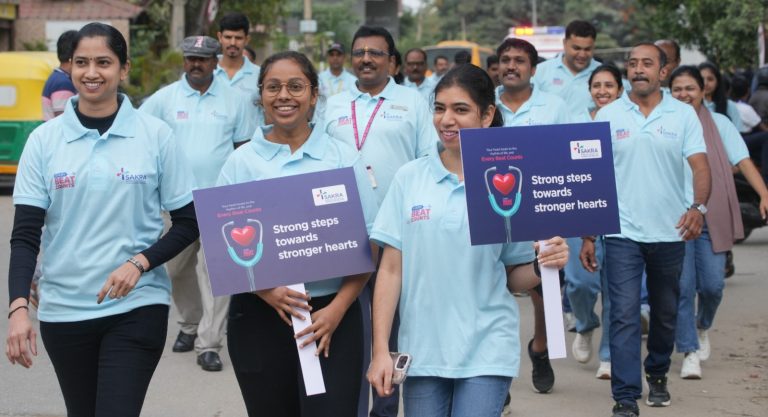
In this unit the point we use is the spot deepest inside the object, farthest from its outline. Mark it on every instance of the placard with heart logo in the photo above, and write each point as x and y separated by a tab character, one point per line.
504	183
243	235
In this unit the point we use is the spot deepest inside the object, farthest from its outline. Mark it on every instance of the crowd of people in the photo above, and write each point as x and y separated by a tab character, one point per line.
105	190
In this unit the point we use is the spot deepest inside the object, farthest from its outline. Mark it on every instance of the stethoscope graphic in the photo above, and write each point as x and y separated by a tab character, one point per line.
249	263
506	214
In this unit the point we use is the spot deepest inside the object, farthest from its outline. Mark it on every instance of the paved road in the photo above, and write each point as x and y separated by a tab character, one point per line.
735	378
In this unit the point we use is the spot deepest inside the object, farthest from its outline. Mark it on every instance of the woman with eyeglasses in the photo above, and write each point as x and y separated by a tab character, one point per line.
260	339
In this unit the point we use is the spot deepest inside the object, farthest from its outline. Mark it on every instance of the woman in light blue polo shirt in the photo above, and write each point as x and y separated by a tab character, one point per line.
459	320
704	264
261	342
97	178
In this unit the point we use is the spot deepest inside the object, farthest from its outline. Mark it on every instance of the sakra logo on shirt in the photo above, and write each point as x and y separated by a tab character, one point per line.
63	180
419	212
666	133
129	178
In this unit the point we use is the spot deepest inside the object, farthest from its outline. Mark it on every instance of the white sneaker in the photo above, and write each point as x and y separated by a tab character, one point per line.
570	322
691	366
604	371
704	349
582	347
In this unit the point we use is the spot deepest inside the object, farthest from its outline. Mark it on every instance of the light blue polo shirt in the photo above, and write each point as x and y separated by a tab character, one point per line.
103	195
730	109
261	159
401	131
553	76
540	109
246	80
330	85
426	88
206	125
649	158
458	320
734	145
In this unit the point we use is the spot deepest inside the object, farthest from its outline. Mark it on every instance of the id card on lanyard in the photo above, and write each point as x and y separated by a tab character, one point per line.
360	142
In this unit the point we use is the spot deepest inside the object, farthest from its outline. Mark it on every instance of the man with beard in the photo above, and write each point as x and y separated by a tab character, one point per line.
415	71
234	67
209	120
567	74
523	104
653	136
389	125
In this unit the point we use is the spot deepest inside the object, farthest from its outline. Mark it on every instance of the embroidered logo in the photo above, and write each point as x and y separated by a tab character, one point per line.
557	81
420	212
391	117
398	107
666	133
344	120
182	115
129	178
622	134
218	116
63	180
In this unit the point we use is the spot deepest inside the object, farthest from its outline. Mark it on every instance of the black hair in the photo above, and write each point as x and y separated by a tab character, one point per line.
491	60
114	39
662	54
235	21
739	87
250	51
419	50
462	57
689	70
609	69
306	67
674	44
440	57
522	45
718	96
580	28
64	45
398	77
478	86
370	31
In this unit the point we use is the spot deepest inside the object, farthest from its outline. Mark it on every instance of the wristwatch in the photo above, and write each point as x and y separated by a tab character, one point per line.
700	207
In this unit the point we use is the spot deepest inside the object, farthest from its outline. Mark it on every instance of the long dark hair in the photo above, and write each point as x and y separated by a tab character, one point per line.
718	96
477	84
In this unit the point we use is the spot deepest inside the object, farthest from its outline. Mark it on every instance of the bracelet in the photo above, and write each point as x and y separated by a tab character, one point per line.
17	309
137	264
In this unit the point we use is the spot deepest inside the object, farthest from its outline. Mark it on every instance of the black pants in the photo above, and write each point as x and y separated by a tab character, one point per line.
104	365
266	361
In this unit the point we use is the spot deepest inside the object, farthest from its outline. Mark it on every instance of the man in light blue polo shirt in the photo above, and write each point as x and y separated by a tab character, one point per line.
389	125
209	119
333	80
523	104
567	74
234	67
653	137
415	72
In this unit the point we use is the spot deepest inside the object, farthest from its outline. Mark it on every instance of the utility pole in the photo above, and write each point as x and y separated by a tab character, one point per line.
177	22
534	15
309	29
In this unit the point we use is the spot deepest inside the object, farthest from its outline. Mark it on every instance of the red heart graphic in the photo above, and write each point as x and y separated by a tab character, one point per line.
504	183
243	236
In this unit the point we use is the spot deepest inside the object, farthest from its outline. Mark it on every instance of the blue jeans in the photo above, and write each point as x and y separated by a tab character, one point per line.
480	396
583	287
625	260
703	272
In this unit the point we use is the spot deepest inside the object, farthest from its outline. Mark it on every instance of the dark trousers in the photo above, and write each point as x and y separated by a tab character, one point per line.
757	143
625	262
382	406
104	365
266	362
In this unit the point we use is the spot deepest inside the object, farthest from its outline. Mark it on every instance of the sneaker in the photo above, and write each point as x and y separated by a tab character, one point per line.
604	371
704	349
582	347
658	395
542	374
691	366
625	410
645	321
570	322
507	410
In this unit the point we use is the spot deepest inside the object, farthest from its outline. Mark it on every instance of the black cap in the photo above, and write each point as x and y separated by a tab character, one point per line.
336	46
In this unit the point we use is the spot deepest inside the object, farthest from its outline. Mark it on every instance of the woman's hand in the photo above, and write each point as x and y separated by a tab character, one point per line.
122	280
324	323
587	255
285	300
556	254
380	373
21	344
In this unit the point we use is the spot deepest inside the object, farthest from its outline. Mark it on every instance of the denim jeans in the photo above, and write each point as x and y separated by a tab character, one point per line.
703	272
480	396
583	287
625	260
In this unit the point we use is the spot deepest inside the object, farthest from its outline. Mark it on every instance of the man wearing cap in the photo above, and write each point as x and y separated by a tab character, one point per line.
234	67
209	119
333	80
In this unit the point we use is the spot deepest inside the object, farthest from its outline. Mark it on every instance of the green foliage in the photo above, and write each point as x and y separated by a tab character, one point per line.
724	30
149	73
150	35
38	45
261	12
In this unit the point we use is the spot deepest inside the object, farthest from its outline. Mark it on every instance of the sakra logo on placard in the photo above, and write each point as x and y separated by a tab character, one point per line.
586	149
329	195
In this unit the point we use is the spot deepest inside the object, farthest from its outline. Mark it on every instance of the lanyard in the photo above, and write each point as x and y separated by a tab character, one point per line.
359	143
